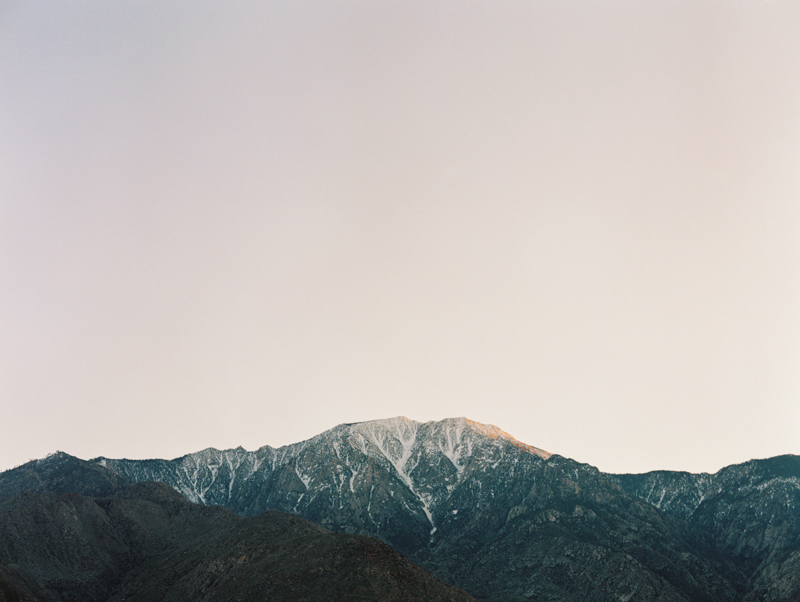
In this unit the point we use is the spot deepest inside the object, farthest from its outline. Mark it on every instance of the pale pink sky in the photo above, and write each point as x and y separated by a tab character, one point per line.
243	223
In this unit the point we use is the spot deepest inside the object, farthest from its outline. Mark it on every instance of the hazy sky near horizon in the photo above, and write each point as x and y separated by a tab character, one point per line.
243	223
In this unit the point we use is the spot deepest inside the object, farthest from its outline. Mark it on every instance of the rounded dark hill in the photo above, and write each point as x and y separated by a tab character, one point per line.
147	543
63	545
153	517
282	557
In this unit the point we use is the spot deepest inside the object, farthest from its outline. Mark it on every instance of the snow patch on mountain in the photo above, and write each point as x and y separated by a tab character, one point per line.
429	461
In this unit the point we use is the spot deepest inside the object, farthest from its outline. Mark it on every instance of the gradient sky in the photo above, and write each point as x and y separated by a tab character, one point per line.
228	224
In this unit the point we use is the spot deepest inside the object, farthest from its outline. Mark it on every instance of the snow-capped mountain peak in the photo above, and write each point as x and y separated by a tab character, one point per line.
365	467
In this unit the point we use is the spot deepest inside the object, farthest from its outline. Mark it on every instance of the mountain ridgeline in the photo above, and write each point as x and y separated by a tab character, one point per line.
501	519
396	479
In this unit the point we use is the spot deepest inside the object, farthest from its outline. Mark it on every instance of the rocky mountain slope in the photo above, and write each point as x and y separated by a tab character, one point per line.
61	473
508	521
749	511
390	478
146	543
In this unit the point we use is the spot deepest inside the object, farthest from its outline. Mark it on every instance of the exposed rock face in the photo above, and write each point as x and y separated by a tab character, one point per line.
507	521
678	493
561	531
749	511
391	478
476	506
148	544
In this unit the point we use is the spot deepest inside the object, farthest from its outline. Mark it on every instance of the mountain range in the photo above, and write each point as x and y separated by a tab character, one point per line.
500	519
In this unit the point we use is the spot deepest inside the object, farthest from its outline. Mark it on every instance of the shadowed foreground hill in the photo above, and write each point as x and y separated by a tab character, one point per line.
146	543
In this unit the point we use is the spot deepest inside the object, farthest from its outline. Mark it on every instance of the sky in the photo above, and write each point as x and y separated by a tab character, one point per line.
243	223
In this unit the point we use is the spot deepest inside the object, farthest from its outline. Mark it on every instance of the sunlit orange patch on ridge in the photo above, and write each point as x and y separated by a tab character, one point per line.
493	432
